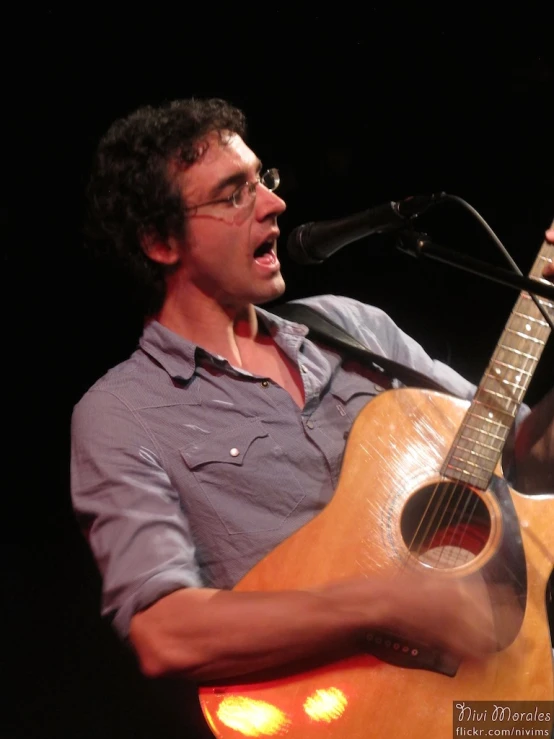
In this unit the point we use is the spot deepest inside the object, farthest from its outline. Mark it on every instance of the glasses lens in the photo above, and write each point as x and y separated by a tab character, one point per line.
246	192
242	195
271	179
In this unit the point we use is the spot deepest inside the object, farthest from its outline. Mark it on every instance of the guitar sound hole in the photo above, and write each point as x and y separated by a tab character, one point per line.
445	525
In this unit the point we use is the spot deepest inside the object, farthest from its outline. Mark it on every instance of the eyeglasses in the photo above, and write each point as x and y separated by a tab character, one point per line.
247	192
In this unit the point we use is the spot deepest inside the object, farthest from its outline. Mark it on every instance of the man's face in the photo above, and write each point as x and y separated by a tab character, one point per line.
229	253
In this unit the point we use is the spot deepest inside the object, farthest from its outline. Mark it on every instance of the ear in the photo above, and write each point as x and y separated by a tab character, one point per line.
162	252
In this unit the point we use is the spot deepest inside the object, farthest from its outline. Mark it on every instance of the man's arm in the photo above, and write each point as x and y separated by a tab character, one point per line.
548	271
141	542
206	634
127	508
534	448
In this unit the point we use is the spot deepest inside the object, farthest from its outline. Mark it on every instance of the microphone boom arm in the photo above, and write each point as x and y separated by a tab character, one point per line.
418	245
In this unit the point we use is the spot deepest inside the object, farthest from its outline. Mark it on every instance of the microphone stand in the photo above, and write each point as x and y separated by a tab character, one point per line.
418	245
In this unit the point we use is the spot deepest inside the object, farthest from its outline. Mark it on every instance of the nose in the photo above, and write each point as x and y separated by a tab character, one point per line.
268	203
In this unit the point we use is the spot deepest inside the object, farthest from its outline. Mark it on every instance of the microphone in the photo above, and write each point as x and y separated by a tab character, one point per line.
312	243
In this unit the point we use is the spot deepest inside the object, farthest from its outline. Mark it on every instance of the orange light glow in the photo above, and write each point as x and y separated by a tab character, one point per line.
326	705
251	717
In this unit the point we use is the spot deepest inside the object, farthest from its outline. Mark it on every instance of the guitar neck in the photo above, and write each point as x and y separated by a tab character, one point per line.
483	433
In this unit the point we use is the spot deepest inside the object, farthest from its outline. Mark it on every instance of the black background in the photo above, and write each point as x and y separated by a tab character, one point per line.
356	105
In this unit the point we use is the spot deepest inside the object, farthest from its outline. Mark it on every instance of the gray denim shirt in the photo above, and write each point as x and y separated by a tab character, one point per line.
186	471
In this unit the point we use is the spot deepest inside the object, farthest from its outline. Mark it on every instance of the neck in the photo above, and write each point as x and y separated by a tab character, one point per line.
220	329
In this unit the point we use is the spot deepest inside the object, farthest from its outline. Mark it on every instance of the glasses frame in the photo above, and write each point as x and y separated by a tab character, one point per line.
251	189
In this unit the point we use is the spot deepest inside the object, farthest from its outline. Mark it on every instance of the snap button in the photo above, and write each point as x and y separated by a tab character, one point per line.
265	383
234	452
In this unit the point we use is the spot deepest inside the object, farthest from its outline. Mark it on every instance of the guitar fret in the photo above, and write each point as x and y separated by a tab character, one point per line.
494	421
465	444
512	367
480	443
467	476
521	331
494	408
467	462
488	420
503	394
476	454
461	469
482	431
493	392
524	336
504	381
543	301
475	449
516	351
533	320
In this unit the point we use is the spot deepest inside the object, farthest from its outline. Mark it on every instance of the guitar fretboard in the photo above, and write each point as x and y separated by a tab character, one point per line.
483	433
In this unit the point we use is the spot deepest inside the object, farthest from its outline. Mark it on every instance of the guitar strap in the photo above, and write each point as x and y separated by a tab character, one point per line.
324	329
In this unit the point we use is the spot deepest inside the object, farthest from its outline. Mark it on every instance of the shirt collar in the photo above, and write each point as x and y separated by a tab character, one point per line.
173	352
178	356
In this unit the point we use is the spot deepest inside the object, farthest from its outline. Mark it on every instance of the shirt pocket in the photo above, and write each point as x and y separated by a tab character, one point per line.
353	394
245	477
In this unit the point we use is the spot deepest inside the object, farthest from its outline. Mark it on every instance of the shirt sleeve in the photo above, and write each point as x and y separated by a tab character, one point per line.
128	509
376	330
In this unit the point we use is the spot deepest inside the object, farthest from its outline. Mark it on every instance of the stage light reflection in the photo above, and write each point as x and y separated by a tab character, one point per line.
326	704
251	717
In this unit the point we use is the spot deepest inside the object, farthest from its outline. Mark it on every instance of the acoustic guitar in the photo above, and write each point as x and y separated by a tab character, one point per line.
421	486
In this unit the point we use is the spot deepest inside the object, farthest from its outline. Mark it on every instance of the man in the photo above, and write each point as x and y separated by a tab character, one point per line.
224	432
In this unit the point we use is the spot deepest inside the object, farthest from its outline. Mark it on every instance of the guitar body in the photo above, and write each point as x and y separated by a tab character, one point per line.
393	459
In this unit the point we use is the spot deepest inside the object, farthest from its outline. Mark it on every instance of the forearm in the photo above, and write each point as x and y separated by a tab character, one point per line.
214	634
534	449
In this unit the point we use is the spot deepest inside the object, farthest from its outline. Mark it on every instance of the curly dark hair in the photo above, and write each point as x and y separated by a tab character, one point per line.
130	191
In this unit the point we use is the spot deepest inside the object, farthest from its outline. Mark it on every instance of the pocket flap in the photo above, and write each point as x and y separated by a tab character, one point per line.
344	391
229	446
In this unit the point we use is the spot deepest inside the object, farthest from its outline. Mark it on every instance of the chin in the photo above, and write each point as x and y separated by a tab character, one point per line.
272	292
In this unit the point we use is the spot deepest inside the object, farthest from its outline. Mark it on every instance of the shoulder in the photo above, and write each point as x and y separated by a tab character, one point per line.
369	324
136	383
344	310
117	394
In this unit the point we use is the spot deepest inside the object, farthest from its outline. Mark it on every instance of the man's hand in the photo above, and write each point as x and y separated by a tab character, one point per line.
461	616
548	272
534	446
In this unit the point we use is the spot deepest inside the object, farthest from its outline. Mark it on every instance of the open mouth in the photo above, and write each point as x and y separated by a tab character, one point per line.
265	257
263	250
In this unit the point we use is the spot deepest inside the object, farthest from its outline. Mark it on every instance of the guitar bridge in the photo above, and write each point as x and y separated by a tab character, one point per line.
395	651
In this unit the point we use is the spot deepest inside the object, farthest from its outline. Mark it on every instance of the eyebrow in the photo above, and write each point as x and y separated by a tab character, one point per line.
237	178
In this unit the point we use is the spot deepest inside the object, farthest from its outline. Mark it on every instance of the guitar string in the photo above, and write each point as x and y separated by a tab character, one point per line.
459	521
530	358
459	531
470	498
526	313
523	316
519	391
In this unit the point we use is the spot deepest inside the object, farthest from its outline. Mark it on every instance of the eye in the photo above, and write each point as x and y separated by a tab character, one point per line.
240	196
